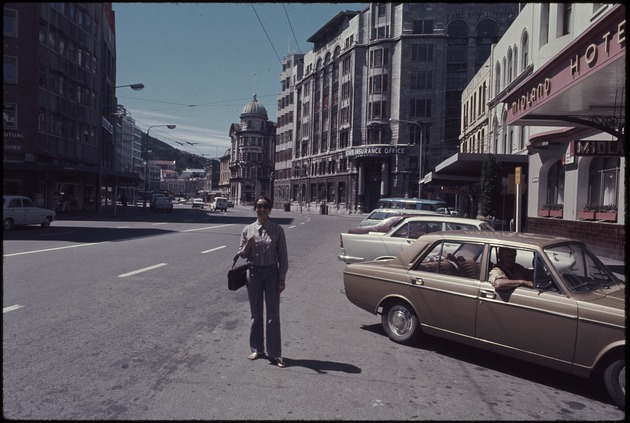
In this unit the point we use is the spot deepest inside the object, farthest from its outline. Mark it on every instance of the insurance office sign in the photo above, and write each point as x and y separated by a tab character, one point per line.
377	151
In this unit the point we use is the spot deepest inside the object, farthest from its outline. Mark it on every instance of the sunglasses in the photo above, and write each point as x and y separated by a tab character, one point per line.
263	206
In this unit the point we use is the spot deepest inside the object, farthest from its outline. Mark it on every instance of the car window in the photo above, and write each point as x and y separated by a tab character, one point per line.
15	203
460	226
460	259
578	268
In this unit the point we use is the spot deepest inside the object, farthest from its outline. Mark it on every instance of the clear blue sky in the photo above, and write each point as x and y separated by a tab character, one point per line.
201	63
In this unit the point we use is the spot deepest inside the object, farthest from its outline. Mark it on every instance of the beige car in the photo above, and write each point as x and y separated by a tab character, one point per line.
573	319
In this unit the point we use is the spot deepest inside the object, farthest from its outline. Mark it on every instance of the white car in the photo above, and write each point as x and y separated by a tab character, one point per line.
219	203
377	215
18	210
372	246
198	202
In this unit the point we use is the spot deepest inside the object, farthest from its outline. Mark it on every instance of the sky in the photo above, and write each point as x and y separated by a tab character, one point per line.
201	63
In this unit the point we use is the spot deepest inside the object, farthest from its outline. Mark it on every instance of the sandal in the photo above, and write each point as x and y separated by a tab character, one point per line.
280	362
254	356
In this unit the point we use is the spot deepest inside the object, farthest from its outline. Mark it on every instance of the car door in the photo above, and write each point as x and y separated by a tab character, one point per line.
32	214
537	324
447	285
17	212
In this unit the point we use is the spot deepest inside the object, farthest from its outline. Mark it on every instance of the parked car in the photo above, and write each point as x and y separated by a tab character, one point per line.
219	203
377	215
382	226
19	210
361	247
198	203
162	204
230	204
572	320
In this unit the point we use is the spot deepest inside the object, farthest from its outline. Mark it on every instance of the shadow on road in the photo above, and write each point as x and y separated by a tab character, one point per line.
322	367
592	388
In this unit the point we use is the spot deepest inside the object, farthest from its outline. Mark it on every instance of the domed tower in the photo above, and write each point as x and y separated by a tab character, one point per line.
252	154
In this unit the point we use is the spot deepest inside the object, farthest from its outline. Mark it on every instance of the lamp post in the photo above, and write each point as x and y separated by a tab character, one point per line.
135	87
421	127
146	166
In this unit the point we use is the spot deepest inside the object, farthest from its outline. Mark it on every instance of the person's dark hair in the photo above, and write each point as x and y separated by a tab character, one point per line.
264	198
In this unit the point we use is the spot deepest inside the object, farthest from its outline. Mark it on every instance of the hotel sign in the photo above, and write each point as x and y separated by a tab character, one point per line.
599	148
376	151
605	43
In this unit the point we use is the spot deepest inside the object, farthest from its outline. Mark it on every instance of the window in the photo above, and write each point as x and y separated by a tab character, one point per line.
565	25
604	181
423	26
10	23
422	52
421	80
10	69
524	50
378	84
379	57
419	107
345	66
555	184
544	23
453	258
9	116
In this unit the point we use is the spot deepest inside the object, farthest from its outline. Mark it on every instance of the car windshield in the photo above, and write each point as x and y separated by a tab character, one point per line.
579	268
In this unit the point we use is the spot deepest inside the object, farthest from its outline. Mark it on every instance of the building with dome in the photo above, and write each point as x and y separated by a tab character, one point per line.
251	155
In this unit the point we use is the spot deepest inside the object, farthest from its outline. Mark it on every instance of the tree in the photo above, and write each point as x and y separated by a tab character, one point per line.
490	186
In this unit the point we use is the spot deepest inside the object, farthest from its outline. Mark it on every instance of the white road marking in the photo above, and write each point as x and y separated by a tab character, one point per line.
207	227
214	249
290	227
54	249
11	308
160	223
123	227
146	269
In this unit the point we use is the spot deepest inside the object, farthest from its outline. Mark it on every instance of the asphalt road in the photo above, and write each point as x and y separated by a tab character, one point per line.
129	318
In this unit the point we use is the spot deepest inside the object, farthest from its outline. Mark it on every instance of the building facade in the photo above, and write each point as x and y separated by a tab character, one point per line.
251	156
554	91
60	104
376	103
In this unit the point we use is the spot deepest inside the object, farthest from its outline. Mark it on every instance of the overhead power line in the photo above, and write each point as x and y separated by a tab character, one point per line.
292	32
263	27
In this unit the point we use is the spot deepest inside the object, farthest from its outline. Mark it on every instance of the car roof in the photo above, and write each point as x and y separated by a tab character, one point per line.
516	239
444	218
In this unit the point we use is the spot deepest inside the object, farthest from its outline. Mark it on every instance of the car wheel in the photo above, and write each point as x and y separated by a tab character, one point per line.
400	322
7	224
46	222
615	381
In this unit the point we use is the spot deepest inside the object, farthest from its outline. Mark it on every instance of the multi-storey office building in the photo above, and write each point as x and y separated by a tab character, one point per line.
59	102
377	99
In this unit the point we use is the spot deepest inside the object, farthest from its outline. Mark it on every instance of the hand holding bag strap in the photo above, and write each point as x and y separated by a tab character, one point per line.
235	259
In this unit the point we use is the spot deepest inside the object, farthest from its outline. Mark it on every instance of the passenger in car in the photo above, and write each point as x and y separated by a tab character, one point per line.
507	274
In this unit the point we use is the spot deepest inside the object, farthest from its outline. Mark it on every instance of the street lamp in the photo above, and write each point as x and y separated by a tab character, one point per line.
135	87
146	166
421	127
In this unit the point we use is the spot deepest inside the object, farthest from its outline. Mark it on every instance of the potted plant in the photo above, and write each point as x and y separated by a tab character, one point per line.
588	212
607	213
544	210
556	211
551	210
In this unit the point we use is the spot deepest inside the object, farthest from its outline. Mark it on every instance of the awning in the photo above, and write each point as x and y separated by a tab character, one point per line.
465	168
583	86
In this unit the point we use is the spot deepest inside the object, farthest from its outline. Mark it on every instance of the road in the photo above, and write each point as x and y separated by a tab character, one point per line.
131	319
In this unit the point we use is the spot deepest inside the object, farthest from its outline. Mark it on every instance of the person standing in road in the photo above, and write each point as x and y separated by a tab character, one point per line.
264	246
